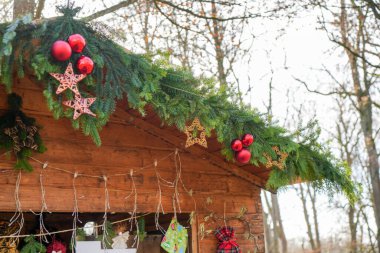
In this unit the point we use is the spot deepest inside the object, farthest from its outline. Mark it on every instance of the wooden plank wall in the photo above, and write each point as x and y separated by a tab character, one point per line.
124	146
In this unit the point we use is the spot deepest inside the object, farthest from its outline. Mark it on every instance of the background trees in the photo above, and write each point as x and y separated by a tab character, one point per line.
218	38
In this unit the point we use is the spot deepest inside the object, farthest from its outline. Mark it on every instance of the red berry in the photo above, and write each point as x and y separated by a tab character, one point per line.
236	145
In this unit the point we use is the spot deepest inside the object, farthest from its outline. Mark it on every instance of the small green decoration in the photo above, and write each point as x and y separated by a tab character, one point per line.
141	226
175	239
32	246
18	133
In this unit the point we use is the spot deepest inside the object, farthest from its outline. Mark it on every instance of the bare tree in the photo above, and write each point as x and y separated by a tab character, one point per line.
23	7
353	29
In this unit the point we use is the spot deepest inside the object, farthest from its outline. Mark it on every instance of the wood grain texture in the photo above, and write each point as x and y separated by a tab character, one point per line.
129	142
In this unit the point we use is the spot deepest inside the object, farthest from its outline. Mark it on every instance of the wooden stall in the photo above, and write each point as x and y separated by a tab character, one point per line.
142	174
208	184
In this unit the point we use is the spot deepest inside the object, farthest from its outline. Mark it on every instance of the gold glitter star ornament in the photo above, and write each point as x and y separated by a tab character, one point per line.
80	106
192	132
68	80
280	163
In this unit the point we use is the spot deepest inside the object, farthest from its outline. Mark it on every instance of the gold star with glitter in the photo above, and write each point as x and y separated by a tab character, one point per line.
280	163
28	142
68	80
192	132
80	106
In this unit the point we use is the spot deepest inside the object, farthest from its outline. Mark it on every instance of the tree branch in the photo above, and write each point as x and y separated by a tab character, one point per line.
188	11
109	10
374	7
40	7
340	93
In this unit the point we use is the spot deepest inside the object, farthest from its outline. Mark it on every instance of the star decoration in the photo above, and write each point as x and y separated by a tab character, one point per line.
68	80
80	106
13	132
281	161
192	138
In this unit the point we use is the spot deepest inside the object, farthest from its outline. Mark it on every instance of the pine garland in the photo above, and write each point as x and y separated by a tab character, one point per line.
175	94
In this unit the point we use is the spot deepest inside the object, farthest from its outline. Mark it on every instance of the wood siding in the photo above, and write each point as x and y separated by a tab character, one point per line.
128	142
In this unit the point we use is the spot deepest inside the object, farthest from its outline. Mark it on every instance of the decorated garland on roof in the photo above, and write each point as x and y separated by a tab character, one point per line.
175	94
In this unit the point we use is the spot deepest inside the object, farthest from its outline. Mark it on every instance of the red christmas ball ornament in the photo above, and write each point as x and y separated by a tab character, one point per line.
243	156
61	50
247	140
85	65
57	247
236	145
77	42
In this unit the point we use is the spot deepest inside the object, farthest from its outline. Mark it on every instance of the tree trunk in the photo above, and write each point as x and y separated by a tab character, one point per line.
278	225
364	104
23	7
307	218
217	35
315	216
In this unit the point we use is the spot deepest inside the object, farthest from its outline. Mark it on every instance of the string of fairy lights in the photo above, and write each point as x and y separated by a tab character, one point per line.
18	217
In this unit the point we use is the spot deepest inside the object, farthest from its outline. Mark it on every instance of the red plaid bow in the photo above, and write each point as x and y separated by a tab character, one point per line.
227	242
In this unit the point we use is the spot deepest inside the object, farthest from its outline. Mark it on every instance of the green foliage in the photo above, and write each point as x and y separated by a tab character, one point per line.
107	235
141	228
32	246
8	120
174	93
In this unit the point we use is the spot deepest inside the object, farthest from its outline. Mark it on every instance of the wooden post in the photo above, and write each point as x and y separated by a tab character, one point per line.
194	235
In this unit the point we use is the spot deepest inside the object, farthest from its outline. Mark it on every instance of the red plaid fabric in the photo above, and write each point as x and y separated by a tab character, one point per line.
227	242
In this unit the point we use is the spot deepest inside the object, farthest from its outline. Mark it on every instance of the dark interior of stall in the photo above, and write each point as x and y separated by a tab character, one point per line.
64	221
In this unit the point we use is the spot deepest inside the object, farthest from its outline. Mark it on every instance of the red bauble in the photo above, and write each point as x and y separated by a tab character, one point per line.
85	65
77	42
61	50
236	145
56	246
247	140
243	156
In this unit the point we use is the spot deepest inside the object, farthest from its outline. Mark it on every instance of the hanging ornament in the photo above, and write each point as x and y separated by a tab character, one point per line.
236	145
243	156
21	129
120	241
77	43
68	80
8	245
56	247
175	239
19	133
80	106
227	241
280	163
85	65
247	140
192	132
61	50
